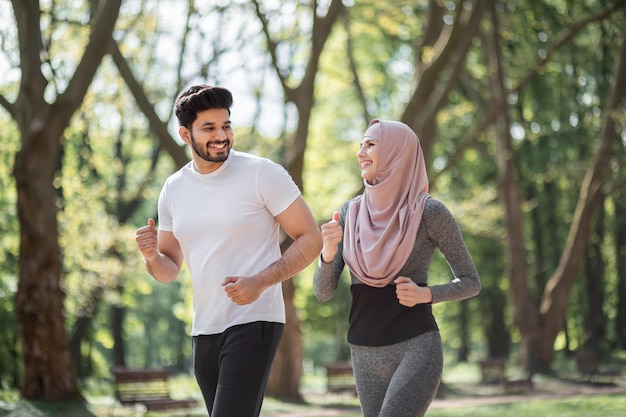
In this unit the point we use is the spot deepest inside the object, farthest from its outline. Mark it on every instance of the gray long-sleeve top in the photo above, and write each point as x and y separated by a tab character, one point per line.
438	229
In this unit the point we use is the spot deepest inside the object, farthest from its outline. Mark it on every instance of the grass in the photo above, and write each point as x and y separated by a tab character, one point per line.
578	406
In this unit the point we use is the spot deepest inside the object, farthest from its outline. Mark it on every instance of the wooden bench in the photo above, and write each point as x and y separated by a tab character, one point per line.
340	377
588	367
492	371
517	386
146	386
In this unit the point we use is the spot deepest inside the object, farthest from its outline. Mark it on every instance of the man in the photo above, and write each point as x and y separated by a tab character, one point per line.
222	213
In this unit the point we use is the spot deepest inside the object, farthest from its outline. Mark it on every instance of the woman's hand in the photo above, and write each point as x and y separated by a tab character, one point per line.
410	294
332	234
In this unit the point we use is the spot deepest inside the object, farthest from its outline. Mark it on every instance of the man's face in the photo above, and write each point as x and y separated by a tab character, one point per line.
211	136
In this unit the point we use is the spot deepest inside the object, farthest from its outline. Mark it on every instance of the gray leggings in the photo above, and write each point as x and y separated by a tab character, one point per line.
398	380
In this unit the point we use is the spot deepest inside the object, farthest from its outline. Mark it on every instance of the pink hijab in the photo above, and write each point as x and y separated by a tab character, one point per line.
381	228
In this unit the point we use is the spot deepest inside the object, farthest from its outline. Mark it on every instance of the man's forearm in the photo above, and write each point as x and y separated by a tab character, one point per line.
298	256
162	268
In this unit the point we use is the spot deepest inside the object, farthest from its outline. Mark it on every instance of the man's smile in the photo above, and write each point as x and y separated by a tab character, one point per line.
218	145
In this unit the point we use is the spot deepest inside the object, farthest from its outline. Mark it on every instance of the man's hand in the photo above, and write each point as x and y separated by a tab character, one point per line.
147	240
410	294
242	290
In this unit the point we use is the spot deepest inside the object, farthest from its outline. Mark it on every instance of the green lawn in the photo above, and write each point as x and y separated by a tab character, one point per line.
578	406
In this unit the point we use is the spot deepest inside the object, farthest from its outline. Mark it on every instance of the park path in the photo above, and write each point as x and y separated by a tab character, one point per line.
560	389
552	388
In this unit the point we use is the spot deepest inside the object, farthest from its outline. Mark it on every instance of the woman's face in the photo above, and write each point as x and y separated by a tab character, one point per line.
368	158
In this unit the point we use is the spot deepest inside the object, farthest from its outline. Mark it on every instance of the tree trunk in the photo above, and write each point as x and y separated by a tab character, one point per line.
117	331
449	45
82	333
39	300
595	319
463	323
524	313
496	333
284	382
620	250
48	371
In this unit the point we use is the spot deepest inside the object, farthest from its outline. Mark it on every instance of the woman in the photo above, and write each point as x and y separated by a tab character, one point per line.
387	236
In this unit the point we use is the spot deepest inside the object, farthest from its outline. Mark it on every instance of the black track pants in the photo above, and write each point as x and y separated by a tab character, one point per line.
232	368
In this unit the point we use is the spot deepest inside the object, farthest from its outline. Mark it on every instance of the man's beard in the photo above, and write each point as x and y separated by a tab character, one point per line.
203	151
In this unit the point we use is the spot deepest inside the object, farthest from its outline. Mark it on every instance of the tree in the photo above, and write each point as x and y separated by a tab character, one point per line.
441	59
41	122
554	299
508	188
284	380
539	326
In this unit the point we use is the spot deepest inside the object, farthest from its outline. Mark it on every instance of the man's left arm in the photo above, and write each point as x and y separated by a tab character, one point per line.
298	222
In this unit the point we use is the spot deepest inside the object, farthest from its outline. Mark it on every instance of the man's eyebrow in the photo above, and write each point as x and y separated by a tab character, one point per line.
208	123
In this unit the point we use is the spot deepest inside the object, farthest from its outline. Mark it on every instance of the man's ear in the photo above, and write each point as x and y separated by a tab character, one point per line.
184	134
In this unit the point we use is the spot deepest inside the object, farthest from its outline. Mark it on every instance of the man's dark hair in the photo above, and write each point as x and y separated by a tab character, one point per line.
198	98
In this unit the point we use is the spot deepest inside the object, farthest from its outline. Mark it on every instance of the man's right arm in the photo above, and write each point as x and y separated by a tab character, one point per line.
161	252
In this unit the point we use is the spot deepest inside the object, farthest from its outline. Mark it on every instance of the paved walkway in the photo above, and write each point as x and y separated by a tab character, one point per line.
545	389
553	389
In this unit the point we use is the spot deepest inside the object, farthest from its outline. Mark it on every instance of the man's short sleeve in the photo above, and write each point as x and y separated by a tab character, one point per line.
165	217
277	188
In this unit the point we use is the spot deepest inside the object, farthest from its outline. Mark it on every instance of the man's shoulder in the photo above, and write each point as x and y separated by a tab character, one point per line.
180	173
256	163
249	158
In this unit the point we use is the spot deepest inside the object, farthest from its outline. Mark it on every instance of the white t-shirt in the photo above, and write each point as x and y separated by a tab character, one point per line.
224	222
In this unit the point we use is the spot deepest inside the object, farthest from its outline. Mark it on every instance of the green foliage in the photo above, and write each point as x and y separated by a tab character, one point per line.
9	243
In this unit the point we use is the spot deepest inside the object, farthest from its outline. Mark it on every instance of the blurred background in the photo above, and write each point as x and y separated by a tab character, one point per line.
519	106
